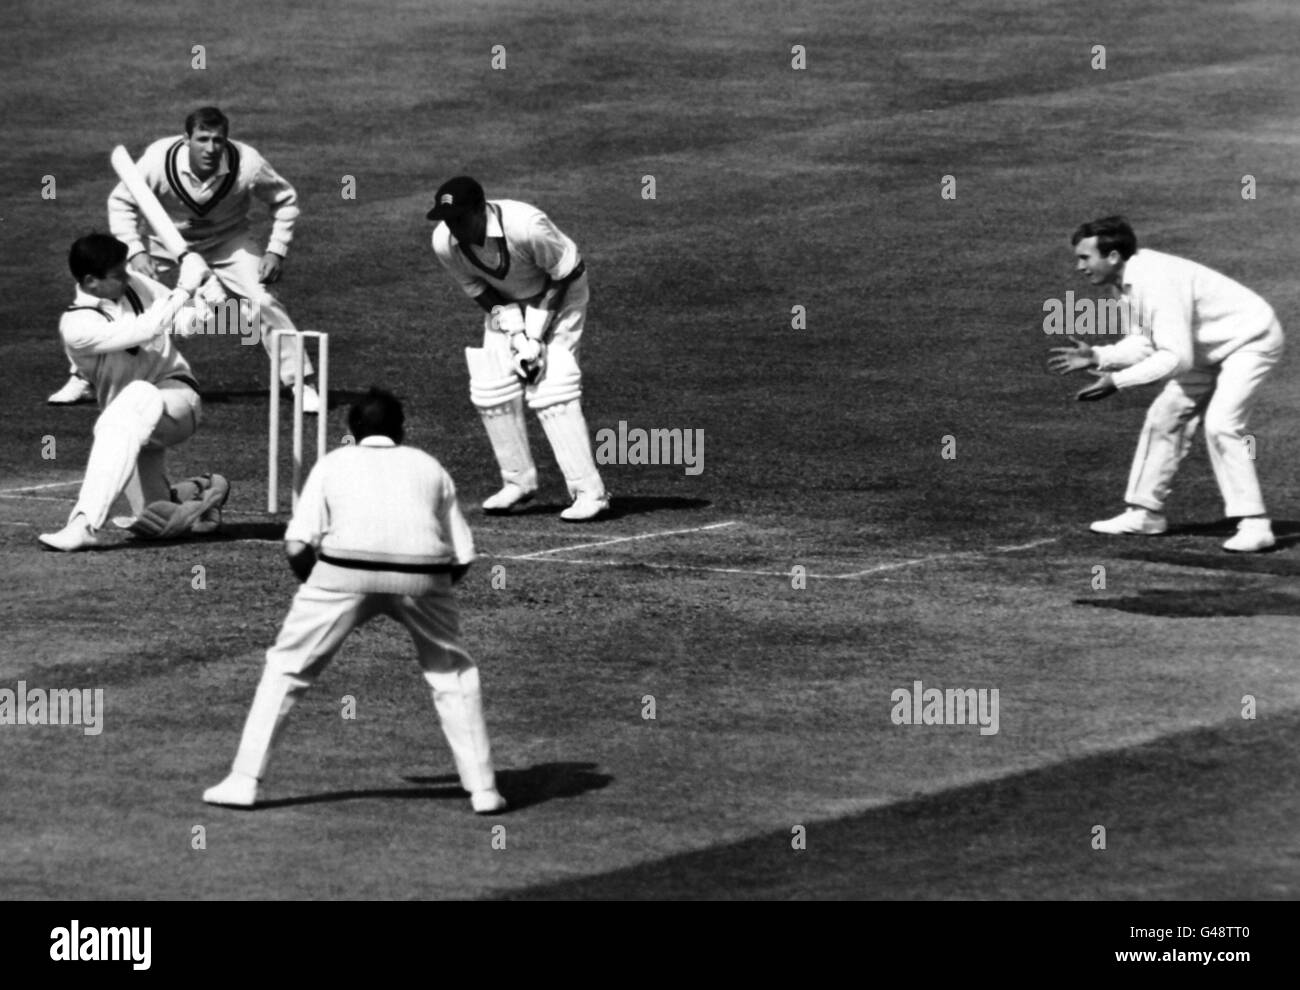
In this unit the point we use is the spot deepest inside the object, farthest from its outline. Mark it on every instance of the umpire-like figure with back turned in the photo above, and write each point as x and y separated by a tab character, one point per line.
377	531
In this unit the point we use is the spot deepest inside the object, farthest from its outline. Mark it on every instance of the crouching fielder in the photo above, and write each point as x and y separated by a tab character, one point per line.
530	279
1213	341
118	333
377	531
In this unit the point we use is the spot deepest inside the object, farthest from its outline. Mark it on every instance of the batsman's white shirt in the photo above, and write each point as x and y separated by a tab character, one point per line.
383	518
1190	317
522	251
115	343
206	211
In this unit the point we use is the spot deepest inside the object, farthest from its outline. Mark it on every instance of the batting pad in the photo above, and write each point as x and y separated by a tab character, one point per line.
492	381
561	382
566	428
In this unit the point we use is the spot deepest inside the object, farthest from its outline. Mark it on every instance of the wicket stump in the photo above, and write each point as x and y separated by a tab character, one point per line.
322	424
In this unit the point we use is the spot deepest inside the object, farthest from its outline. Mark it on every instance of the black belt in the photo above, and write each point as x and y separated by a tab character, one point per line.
378	565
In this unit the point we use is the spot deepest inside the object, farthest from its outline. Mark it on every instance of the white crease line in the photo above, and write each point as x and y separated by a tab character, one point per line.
946	556
622	539
8	522
781	574
39	498
38	488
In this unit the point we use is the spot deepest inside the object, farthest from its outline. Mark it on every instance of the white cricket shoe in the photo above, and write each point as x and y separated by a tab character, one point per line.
509	496
586	507
1252	536
74	391
237	791
487	802
77	535
1132	522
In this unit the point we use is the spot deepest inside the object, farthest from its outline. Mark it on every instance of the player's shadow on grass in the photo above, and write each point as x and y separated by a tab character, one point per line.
1286	531
1202	603
536	784
521	788
271	532
619	507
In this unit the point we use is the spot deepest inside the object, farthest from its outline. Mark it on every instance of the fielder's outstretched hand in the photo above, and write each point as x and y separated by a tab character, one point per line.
1067	359
1102	387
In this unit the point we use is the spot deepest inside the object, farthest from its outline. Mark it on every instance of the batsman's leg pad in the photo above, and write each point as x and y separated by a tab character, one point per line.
498	394
459	701
566	429
561	380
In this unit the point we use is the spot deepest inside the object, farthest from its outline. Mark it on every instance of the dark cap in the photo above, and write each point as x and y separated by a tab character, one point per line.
456	197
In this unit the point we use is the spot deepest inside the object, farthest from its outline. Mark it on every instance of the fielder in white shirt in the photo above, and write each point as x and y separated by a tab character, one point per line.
1212	340
528	277
206	183
377	531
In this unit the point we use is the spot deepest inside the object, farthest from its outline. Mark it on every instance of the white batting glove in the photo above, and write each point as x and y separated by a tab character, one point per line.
528	357
193	272
508	319
536	321
212	292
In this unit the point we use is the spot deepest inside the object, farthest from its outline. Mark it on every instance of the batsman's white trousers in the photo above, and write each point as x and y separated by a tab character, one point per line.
1222	397
235	262
129	452
317	624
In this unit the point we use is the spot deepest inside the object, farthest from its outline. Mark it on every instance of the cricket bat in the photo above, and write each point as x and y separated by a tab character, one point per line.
154	214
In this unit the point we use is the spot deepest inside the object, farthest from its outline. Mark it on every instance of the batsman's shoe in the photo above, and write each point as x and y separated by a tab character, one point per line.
487	802
237	791
1253	535
586	507
509	496
77	535
1133	522
74	391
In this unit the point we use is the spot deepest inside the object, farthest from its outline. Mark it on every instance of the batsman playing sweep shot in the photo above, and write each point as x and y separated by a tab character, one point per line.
118	333
1212	340
206	182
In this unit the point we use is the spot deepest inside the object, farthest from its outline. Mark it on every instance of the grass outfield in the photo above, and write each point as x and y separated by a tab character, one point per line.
1120	706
